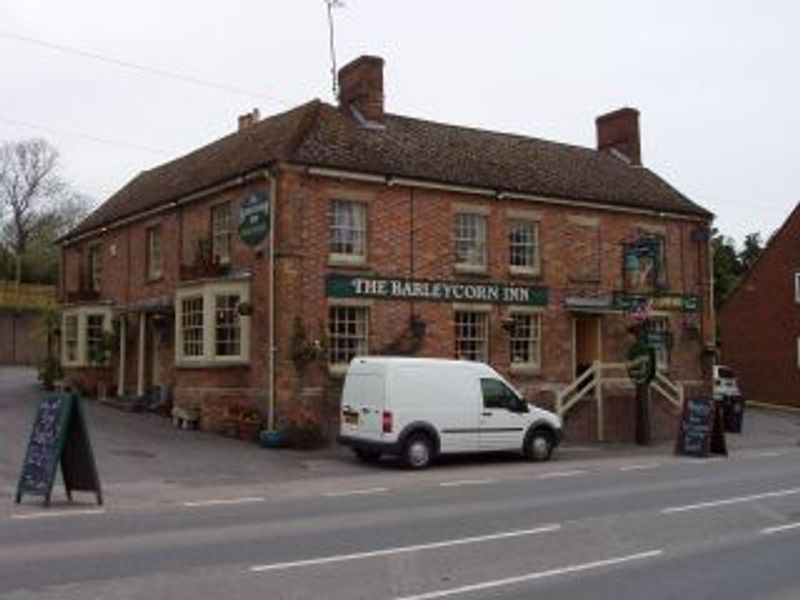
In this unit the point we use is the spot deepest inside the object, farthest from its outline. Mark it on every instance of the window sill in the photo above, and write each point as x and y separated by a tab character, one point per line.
338	371
528	273
525	369
471	269
155	279
585	279
347	260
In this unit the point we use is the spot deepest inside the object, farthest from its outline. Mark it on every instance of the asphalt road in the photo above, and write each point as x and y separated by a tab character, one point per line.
648	527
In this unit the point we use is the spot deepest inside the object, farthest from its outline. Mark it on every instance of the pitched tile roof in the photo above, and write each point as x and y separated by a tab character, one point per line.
321	135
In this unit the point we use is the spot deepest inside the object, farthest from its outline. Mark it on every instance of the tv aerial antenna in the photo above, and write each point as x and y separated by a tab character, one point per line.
331	4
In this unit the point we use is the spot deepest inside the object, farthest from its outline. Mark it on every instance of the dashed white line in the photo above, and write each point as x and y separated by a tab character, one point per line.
556	474
225	501
767	454
460	482
736	500
362	492
534	576
406	549
779	528
640	467
58	513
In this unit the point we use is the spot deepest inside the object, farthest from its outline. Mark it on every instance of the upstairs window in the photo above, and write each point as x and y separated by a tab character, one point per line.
221	233
95	267
347	225
154	253
523	247
469	238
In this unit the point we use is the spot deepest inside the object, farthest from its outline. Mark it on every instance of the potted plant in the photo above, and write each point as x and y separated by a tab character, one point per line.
249	424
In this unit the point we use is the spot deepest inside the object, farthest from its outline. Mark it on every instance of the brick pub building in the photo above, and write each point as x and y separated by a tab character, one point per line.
760	321
390	235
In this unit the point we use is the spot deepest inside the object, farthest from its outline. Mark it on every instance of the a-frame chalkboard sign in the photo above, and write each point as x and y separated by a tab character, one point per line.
59	436
700	431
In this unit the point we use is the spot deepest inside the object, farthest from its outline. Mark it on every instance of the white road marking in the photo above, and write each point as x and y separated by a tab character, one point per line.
225	501
460	482
640	467
406	549
767	454
778	528
737	500
466	589
59	513
363	492
556	474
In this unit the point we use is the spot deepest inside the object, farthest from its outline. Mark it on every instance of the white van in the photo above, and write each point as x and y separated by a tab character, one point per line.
417	408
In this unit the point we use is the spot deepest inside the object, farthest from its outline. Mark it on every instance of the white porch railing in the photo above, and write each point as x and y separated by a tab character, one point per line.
591	382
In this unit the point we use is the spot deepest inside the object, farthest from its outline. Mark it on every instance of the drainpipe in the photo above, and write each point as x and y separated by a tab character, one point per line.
273	188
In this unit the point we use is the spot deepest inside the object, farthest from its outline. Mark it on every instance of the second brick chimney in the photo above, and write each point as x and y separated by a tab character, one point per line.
361	87
619	131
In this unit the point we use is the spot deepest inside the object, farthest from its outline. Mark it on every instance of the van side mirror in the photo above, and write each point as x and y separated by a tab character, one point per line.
519	405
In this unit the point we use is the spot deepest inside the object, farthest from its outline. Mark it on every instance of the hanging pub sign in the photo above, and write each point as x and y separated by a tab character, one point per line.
360	286
59	436
641	263
254	218
679	302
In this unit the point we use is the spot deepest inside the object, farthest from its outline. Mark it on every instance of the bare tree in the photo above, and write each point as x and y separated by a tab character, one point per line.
34	199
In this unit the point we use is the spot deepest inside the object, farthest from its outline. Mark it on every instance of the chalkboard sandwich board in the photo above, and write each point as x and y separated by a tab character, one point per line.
59	436
700	430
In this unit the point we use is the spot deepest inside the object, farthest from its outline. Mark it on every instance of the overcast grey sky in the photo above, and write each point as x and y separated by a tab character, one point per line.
716	82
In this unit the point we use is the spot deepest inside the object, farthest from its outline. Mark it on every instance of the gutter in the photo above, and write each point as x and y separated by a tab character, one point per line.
391	180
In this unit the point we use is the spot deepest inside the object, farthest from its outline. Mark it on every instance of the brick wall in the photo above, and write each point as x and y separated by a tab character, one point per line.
409	235
760	322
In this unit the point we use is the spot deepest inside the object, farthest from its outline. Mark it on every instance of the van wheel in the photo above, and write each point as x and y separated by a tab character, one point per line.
367	456
539	445
418	451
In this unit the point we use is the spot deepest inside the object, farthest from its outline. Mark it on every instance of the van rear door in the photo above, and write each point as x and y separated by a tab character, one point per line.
363	400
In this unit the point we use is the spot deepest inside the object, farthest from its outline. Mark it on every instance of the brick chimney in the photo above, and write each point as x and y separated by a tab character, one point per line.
248	119
619	130
361	87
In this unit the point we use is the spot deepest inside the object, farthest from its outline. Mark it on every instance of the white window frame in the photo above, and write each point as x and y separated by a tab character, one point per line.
534	340
81	315
95	267
153	255
209	292
797	287
355	231
470	232
482	320
221	233
362	341
536	265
